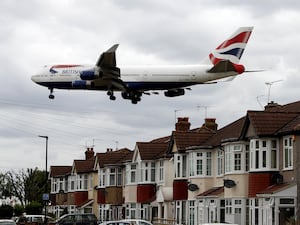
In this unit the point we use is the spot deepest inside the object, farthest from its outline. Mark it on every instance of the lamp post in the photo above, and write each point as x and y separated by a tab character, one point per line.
46	195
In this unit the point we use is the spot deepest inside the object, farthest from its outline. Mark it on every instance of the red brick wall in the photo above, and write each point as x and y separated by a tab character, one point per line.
258	182
180	190
80	197
146	193
101	196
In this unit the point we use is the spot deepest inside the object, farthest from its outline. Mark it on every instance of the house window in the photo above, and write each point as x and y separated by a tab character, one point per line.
148	172
61	184
112	177
131	209
82	182
115	176
263	154
180	162
220	163
72	182
161	171
235	158
228	206
53	185
288	152
200	164
131	171
192	213
102	177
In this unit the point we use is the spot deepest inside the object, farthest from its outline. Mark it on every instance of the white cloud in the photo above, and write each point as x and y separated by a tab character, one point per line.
34	33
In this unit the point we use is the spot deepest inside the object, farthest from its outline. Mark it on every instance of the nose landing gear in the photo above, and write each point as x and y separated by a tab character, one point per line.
51	95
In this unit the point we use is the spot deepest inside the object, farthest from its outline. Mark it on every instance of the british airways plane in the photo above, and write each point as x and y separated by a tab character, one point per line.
134	81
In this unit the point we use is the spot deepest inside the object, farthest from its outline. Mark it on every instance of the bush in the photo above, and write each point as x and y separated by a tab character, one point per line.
6	212
18	210
34	208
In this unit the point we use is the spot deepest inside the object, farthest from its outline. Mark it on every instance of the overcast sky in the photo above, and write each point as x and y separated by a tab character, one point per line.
34	33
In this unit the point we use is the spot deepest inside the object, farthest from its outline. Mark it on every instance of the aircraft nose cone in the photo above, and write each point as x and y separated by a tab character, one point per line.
33	78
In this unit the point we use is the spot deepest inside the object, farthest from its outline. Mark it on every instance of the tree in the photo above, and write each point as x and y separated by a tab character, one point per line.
16	184
26	185
35	185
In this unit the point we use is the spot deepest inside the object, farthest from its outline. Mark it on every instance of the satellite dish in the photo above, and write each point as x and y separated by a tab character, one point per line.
193	187
277	178
229	183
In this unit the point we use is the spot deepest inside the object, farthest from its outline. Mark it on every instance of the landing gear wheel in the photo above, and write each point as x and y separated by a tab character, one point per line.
51	96
112	97
110	93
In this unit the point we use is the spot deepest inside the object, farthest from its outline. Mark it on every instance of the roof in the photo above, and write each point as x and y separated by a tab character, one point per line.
187	139
268	123
152	150
114	157
291	107
58	171
212	192
229	132
84	166
275	188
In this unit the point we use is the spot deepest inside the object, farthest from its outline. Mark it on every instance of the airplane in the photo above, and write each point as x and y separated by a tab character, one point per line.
134	81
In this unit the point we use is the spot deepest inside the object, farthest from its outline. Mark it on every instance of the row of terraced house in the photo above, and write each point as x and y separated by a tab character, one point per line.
243	173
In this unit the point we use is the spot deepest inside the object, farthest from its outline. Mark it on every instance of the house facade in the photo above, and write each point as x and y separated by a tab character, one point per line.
244	173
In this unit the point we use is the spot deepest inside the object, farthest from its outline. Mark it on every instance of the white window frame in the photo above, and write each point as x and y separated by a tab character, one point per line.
235	158
288	153
131	173
161	171
72	183
180	162
114	176
220	163
148	172
200	164
264	154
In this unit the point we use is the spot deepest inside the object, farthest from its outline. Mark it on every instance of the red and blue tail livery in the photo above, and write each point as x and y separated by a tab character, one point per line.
233	48
134	81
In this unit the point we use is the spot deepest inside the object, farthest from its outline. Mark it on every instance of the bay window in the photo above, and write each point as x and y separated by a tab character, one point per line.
263	154
200	163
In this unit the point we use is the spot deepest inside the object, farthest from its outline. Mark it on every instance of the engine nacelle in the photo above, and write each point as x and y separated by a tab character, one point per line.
174	93
89	75
80	84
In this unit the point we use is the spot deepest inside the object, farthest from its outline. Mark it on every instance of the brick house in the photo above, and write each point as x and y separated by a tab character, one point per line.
243	173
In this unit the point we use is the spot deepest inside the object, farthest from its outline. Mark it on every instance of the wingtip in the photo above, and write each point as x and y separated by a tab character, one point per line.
113	48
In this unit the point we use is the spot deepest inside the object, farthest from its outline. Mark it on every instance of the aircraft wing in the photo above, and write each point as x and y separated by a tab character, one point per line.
107	70
108	58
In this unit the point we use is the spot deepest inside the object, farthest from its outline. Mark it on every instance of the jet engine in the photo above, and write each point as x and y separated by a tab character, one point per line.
81	84
174	93
88	75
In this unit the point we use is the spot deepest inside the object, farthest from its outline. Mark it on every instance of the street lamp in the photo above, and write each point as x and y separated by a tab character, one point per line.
46	194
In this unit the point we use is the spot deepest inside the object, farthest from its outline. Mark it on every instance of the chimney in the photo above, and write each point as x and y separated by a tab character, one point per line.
109	150
89	153
210	123
271	105
183	124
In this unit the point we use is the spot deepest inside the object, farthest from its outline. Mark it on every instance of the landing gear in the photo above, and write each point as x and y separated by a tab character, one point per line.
51	95
110	93
135	97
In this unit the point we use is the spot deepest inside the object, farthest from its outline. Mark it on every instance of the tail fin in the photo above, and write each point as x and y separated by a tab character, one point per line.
233	48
